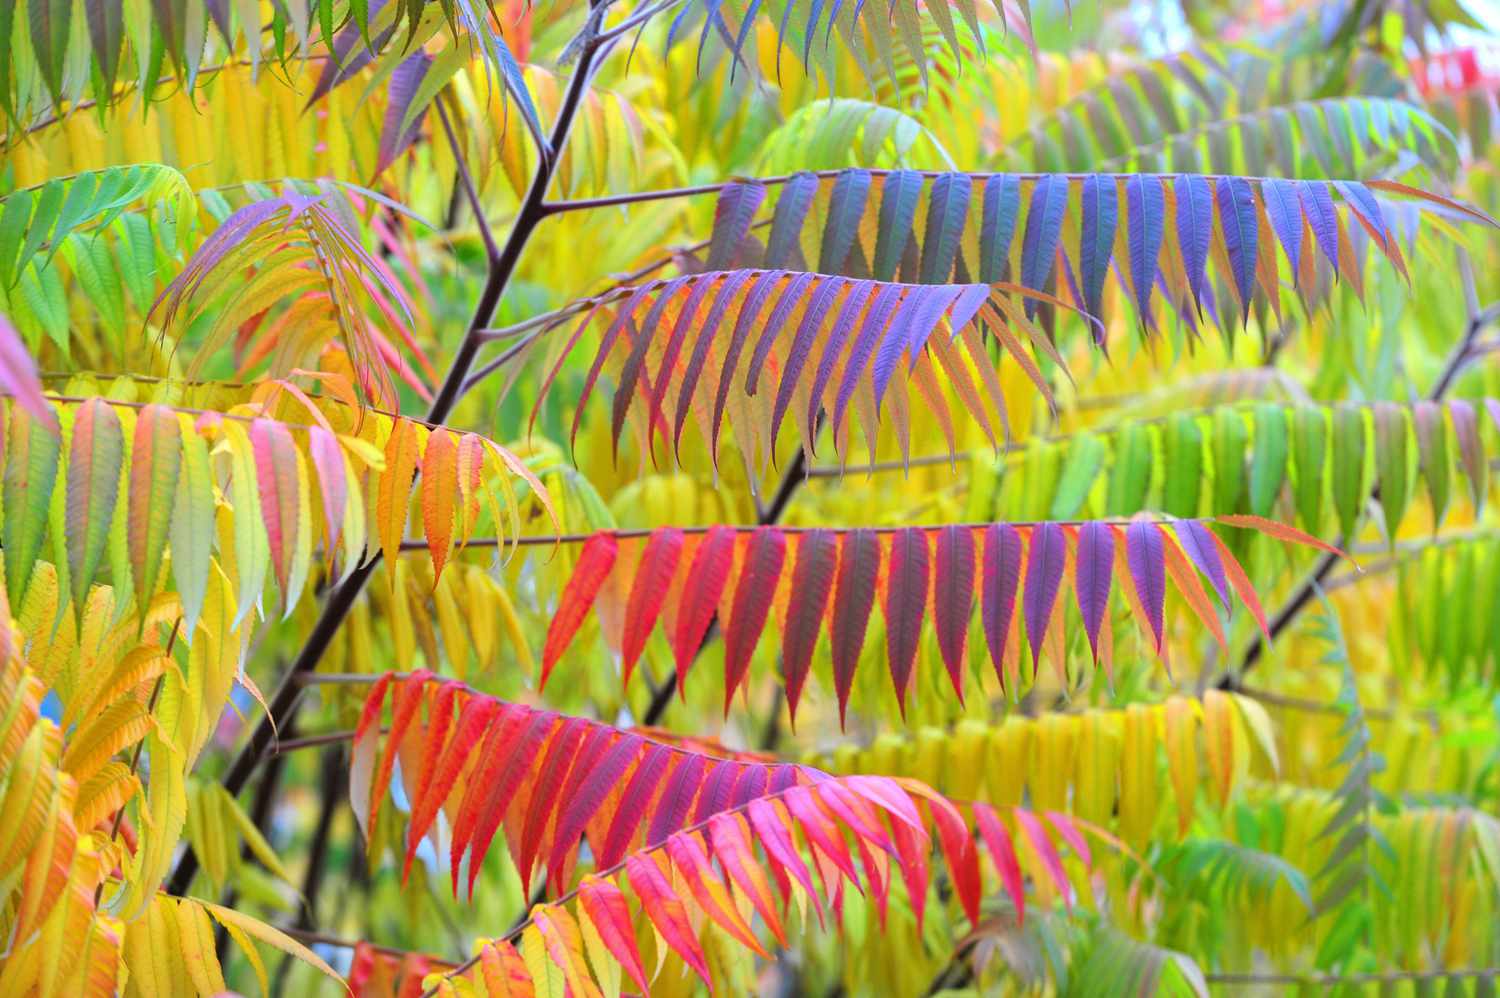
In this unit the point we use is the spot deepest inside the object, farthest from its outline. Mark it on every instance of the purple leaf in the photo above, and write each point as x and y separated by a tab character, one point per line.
876	317
783	246
1237	217
1096	565
854	301
898	210
405	81
1317	205
846	208
694	371
1195	220
1203	552
1363	204
738	202
1101	212
947	210
1148	570
1146	217
791	296
750	311
997	598
1044	218
997	227
1286	218
807	333
1044	571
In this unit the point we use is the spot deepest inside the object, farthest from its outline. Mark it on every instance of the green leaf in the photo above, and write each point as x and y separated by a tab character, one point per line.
1131	475
1085	458
1434	455
31	452
1230	438
1310	458
1182	446
1348	483
1268	462
94	457
1392	462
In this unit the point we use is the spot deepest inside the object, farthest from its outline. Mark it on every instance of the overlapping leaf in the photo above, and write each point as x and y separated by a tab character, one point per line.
154	477
1101	765
299	251
834	578
57	60
1314	465
563	779
997	238
782	343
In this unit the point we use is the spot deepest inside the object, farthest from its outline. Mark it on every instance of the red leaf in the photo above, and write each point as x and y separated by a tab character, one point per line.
580	806
408	699
672	809
648	591
700	597
1242	585
1003	851
439	719
752	602
1281	532
853	598
812	582
732	847
666	911
1044	572
820	829
594	564
775	837
528	739
693	865
473	721
963	858
1094	573
604	904
564	750
439	487
953	599
1002	579
905	604
911	854
276	475
1070	834
632	808
1036	835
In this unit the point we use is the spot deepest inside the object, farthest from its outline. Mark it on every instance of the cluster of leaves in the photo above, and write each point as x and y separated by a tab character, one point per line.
1099	764
661	813
1245	459
736	577
853	316
103	503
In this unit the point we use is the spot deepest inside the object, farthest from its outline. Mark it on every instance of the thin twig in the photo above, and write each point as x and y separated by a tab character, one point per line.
466	181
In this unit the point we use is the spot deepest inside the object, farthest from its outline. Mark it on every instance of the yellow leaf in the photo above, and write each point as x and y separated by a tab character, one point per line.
271	936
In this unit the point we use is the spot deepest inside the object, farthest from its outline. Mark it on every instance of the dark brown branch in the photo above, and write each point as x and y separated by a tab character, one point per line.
285	701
